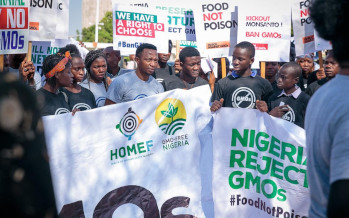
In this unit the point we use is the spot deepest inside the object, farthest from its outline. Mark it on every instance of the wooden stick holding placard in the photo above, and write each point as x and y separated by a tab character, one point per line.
263	69
177	52
2	60
29	54
224	67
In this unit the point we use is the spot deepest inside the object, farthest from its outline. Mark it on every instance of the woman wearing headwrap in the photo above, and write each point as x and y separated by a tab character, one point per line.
57	72
78	96
96	82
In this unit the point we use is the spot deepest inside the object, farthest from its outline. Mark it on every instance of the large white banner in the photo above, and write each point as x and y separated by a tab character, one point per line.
62	28
135	159
14	28
267	25
216	25
303	27
43	20
133	26
259	166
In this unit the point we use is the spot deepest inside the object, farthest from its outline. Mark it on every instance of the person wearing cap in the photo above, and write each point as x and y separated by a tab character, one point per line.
57	71
96	81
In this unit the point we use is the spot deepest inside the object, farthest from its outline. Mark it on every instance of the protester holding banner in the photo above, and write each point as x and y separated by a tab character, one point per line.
138	84
78	96
113	58
57	72
289	103
243	87
189	76
327	119
331	69
96	81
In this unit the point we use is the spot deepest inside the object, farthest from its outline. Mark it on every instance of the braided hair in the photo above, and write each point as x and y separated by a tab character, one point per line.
90	57
49	63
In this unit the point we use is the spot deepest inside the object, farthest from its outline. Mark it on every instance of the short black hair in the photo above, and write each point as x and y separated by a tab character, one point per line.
331	20
188	52
296	68
247	45
74	51
112	49
144	46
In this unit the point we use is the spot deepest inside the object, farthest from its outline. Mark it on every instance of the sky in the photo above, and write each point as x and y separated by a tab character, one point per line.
75	17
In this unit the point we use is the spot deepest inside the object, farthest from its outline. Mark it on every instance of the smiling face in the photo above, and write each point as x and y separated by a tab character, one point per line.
242	60
147	61
191	66
98	69
77	69
331	67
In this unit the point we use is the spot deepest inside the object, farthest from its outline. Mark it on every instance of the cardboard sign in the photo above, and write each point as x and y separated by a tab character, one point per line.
14	28
133	26
267	28
216	27
42	20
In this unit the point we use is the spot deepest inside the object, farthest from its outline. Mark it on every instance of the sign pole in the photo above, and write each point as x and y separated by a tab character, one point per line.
29	54
263	69
224	68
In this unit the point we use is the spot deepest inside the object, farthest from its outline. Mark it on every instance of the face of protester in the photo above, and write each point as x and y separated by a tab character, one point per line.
241	60
98	69
286	78
113	59
65	77
77	69
331	67
271	68
191	66
147	61
163	58
307	65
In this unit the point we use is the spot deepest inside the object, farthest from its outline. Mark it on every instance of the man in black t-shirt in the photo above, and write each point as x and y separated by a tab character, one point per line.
164	71
331	69
243	87
271	69
188	77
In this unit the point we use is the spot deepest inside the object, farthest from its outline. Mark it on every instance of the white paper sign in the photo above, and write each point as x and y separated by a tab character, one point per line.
62	28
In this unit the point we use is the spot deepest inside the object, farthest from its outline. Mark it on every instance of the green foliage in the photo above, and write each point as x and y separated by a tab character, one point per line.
105	34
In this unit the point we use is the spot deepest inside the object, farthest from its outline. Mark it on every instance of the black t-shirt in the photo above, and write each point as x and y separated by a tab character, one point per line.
275	87
174	82
297	106
162	74
312	88
242	92
83	100
53	103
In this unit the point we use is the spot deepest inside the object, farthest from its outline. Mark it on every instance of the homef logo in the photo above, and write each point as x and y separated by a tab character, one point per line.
129	124
170	116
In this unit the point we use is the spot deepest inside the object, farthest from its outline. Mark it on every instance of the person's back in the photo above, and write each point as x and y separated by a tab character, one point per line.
327	119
